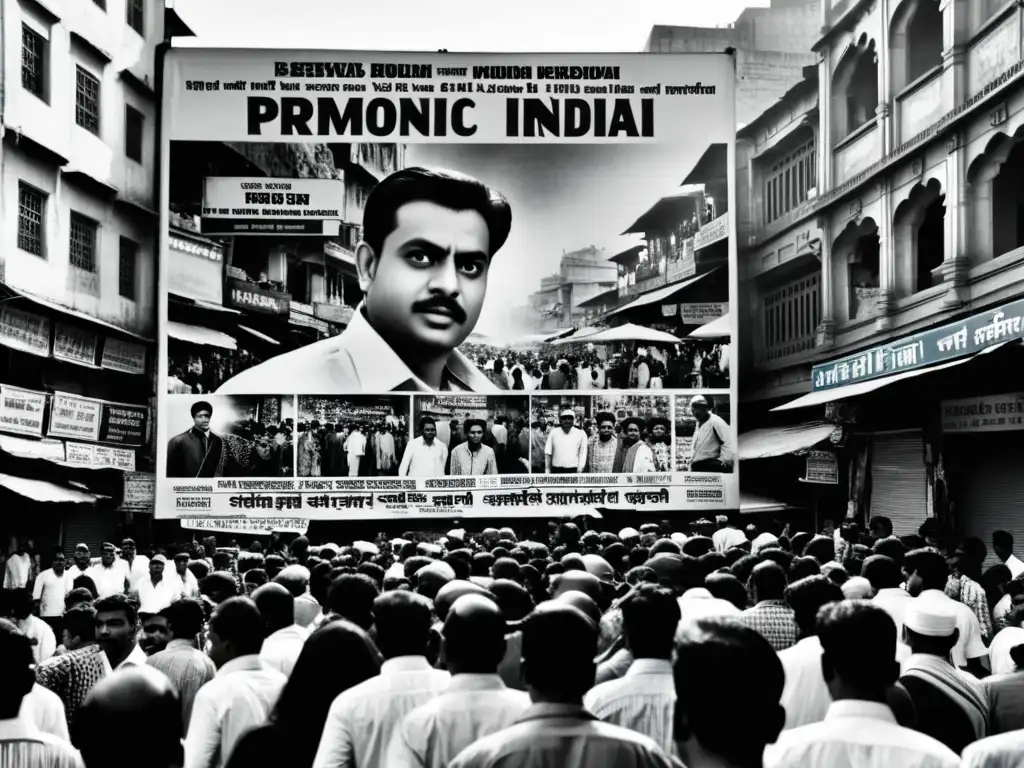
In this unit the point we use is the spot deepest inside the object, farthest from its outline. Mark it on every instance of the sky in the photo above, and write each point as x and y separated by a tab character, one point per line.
562	199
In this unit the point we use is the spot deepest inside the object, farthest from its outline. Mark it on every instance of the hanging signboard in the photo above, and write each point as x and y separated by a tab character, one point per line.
124	424
74	417
712	232
75	345
251	297
24	331
822	468
701	314
139	491
123	356
985	413
21	410
100	456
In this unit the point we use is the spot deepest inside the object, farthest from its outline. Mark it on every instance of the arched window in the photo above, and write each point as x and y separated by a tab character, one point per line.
915	41
919	238
1008	204
856	271
855	89
931	243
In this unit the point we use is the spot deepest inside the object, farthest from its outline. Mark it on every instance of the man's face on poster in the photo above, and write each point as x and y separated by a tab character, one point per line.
606	429
701	412
427	285
475	434
429	432
202	420
658	433
567	422
263	447
632	434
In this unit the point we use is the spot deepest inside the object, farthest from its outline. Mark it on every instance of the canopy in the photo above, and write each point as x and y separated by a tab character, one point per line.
258	335
45	491
659	295
719	328
631	332
196	334
752	504
778	441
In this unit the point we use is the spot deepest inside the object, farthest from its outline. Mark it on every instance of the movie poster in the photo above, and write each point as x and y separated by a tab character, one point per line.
445	285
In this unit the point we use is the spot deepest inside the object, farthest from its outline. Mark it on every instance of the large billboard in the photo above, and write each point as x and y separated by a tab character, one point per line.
449	285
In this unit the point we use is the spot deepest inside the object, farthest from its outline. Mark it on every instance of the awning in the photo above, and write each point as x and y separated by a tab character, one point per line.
42	490
751	504
718	328
203	304
195	334
712	166
864	387
778	441
258	335
630	332
654	297
74	313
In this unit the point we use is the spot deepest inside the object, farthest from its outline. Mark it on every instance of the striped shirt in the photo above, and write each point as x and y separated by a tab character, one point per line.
467	462
601	455
188	669
643	701
23	745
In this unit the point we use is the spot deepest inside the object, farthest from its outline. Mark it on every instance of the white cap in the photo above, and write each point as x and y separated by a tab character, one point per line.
698	400
396	571
457	533
158	558
678	538
857	588
926	618
568	412
365	546
629	533
721	518
430	549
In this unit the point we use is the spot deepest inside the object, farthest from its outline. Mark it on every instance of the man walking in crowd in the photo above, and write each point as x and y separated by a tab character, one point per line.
1002	545
188	668
109	575
603	447
19	566
473	457
117	626
429	237
44	643
81	563
73	673
196	452
138	565
565	452
728	535
285	638
49	591
713	446
158	590
425	456
770	615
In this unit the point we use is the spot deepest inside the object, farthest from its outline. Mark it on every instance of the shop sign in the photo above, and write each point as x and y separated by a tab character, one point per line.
123	424
686	265
306	320
951	341
985	413
712	232
139	491
334	313
701	314
123	356
100	457
75	345
669	310
21	410
24	331
251	297
822	468
258	206
194	269
248	525
74	417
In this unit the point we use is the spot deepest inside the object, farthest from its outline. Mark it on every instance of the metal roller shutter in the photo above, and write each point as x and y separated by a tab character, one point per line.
91	526
991	492
899	480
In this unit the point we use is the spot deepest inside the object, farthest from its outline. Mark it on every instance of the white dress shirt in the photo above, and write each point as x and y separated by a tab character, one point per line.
109	581
44	708
643	701
138	569
858	734
1003	751
422	460
23	745
969	645
805	695
473	706
999	650
19	568
567	450
894	601
153	598
713	440
728	537
45	642
363	719
1001	608
281	649
72	572
50	590
137	658
1015	565
240	697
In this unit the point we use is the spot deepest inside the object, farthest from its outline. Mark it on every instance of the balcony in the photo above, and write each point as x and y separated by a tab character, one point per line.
920	104
856	152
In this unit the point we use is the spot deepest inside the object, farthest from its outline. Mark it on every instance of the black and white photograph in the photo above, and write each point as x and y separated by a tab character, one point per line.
474	268
230	436
352	435
480	435
704	435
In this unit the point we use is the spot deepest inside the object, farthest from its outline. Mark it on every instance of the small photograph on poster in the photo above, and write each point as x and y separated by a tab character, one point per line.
351	435
481	435
704	434
230	436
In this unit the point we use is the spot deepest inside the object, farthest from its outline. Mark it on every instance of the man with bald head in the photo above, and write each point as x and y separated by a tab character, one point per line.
285	638
476	704
577	581
295	578
132	713
770	615
432	577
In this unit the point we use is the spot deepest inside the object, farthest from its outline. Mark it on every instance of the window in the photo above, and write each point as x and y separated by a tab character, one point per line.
87	101
789	181
31	209
126	268
136	16
83	242
33	61
792	313
133	124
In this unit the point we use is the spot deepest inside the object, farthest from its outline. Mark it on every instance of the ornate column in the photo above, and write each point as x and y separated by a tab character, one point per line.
825	335
885	107
886	257
824	146
954	268
955	23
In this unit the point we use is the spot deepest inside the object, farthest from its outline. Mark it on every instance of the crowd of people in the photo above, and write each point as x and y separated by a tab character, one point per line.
201	370
689	365
497	445
709	647
352	448
603	444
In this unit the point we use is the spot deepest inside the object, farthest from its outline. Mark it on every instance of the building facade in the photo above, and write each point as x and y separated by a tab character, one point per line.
880	228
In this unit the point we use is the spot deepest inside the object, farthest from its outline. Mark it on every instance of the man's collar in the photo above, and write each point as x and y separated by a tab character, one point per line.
405	664
476	682
382	370
859	708
249	663
137	658
540	711
649	667
180	643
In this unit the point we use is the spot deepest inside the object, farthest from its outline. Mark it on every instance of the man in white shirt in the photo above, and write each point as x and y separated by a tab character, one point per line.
157	591
644	699
185	582
1002	545
355	449
285	639
49	590
727	535
109	576
80	566
19	566
886	578
476	703
44	708
363	719
243	693
566	450
926	572
805	696
858	641
637	456
117	628
44	642
138	565
713	446
425	456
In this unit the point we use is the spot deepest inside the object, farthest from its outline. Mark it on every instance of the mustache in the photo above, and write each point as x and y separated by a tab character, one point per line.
441	303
